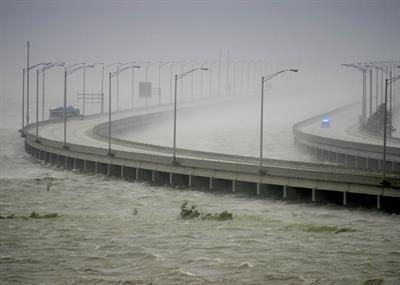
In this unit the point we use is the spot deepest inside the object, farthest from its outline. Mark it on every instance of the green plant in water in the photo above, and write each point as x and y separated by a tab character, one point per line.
311	228
35	215
191	212
7	217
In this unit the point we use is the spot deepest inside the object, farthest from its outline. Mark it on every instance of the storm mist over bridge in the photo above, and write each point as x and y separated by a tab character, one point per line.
288	109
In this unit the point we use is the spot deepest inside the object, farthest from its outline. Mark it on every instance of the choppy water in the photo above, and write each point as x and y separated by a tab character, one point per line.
112	231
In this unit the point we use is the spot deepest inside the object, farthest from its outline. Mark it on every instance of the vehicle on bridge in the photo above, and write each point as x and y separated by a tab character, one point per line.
58	112
325	122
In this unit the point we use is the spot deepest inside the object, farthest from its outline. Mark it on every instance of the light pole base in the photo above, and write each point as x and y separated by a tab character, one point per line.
262	171
110	153
37	141
65	146
386	183
175	162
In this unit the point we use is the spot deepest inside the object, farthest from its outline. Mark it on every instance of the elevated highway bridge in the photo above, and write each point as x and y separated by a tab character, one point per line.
354	171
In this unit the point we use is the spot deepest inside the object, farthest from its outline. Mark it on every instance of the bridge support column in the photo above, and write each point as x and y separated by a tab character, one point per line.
96	167
74	163
345	160
108	169
284	191
378	201
344	198
153	176
190	180
85	166
170	178
137	173
211	183
258	188
314	195
233	186
57	160
122	171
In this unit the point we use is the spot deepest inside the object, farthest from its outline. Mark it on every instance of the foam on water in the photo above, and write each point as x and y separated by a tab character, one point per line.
99	240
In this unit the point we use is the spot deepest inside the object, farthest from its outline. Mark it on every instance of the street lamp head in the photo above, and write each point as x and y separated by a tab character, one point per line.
204	68
294	70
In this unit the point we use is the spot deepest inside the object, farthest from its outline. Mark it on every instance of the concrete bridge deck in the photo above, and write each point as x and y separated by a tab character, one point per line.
88	150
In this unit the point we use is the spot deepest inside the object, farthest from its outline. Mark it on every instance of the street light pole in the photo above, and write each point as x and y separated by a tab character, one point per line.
179	76
84	90
133	82
43	80
65	108
364	104
23	100
263	80
174	144
27	85
68	71
110	75
102	89
43	71
109	114
37	105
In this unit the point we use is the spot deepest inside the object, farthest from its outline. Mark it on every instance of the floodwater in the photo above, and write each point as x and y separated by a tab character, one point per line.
111	231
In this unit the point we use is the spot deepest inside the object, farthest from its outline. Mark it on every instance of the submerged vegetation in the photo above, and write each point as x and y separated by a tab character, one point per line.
33	215
312	228
189	212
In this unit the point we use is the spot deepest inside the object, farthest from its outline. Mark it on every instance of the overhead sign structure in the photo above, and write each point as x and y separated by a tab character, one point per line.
144	89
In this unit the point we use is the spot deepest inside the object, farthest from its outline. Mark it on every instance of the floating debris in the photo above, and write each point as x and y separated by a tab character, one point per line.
191	212
312	228
35	215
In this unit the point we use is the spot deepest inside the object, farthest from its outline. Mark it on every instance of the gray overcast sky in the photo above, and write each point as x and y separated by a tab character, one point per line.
336	31
98	30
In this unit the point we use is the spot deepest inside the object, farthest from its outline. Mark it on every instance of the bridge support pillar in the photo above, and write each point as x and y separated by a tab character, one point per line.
108	169
85	166
122	171
233	186
57	160
258	188
314	195
170	178
137	174
344	198
153	176
74	163
378	201
211	183
190	180
284	191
